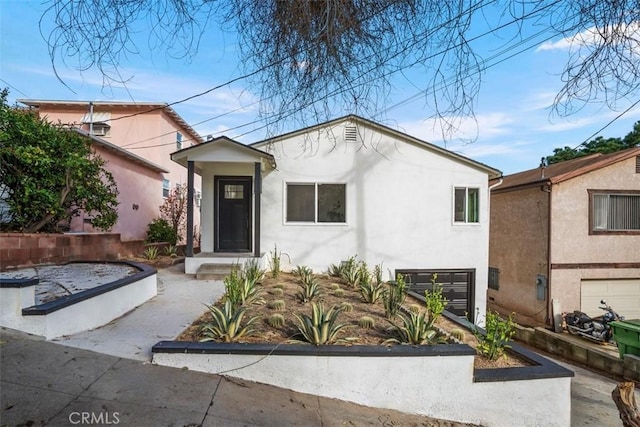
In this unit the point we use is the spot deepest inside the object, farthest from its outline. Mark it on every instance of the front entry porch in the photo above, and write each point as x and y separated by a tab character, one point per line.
230	214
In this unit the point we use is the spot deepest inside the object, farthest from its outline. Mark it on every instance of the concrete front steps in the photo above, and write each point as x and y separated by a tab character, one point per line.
216	266
210	271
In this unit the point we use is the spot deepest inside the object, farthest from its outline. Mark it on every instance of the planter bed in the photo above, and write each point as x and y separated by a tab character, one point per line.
77	312
436	381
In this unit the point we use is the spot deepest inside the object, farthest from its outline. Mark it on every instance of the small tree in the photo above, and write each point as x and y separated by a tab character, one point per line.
49	174
174	210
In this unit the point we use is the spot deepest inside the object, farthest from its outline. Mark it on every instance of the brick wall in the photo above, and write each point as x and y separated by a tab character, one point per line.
21	250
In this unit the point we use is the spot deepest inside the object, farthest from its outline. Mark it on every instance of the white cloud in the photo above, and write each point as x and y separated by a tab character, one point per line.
589	37
482	127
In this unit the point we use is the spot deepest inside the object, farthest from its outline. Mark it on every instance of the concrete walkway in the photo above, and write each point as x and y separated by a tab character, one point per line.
181	299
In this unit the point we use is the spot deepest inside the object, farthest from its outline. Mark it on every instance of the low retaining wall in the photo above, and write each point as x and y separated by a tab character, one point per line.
437	381
73	313
23	250
553	343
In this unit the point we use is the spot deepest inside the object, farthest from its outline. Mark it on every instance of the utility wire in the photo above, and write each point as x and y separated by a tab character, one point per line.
631	107
343	88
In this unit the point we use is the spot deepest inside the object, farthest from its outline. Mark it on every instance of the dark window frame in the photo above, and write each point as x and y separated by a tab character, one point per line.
494	278
597	231
317	214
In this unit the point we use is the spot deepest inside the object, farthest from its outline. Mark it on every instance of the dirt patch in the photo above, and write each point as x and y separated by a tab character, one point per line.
330	296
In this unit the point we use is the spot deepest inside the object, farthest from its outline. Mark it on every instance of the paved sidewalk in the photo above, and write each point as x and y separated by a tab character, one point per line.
181	299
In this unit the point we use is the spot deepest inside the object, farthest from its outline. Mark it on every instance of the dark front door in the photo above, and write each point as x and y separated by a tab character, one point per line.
233	214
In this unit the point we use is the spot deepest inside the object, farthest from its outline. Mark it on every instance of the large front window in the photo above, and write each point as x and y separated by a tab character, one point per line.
316	203
615	211
466	205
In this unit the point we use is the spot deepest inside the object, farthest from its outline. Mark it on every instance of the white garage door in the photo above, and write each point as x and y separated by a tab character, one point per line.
623	295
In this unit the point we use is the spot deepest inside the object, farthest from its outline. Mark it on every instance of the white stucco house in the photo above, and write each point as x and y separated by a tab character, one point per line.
347	187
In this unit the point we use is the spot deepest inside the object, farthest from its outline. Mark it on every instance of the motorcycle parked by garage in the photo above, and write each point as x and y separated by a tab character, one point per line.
593	328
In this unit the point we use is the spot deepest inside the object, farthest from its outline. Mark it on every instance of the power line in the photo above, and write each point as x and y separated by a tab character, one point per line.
341	88
608	124
14	88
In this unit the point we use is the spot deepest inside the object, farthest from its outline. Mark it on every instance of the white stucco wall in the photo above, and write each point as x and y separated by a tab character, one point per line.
439	386
399	205
81	316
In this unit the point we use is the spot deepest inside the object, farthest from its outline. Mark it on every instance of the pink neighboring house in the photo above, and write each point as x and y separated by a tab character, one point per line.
136	140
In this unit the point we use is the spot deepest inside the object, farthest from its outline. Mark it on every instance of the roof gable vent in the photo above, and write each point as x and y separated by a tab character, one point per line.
351	134
637	164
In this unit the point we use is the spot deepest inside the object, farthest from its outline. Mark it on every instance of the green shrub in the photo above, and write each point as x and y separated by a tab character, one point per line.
434	299
498	334
159	230
226	324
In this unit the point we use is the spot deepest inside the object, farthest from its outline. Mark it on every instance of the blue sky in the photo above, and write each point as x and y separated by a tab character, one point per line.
513	128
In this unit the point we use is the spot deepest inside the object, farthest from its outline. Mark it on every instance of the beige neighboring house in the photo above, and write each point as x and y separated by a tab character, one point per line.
136	140
568	232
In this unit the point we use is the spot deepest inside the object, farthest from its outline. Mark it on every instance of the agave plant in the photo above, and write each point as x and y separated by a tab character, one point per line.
322	326
171	250
416	329
226	324
241	290
335	270
252	271
351	272
372	292
150	253
303	272
309	289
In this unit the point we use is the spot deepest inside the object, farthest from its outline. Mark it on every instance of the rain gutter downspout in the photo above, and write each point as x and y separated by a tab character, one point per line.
547	189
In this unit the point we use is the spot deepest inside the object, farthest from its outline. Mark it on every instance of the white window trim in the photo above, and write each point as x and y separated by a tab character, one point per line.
465	223
168	188
315	222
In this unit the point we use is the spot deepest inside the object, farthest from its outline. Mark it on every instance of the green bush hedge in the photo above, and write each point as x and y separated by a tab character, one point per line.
161	231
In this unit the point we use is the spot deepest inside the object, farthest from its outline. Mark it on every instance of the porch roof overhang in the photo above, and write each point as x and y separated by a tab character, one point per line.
222	150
